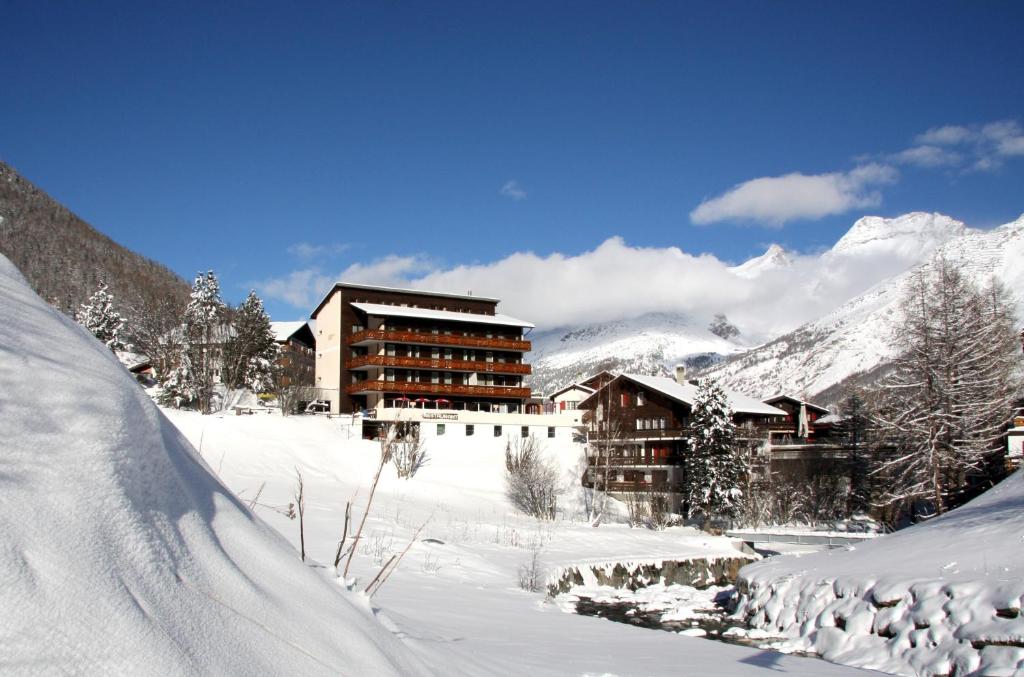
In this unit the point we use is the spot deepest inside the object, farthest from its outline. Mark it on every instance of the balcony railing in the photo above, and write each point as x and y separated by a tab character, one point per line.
423	338
631	434
439	364
624	461
638	486
414	388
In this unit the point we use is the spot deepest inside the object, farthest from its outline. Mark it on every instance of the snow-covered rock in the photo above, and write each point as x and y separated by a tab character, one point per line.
774	258
120	552
943	597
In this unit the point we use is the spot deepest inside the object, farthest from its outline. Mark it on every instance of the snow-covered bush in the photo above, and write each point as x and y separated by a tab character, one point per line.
100	318
531	481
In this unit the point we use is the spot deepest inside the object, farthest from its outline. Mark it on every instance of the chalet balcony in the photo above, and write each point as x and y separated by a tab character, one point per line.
414	388
422	338
638	486
368	361
631	435
632	461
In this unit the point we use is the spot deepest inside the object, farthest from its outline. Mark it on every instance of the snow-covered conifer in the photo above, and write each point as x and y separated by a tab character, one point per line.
193	376
251	352
100	318
715	464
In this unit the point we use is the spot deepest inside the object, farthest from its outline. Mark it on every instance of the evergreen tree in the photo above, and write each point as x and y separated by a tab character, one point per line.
715	466
852	431
192	377
100	318
251	352
951	392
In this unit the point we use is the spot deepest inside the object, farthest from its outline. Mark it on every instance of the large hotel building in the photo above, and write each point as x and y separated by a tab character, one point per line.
383	348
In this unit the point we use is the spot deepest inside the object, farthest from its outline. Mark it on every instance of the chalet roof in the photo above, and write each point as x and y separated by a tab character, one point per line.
446	315
400	290
587	389
687	393
285	330
797	400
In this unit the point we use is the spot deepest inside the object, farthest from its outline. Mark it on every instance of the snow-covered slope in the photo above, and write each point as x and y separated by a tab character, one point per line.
652	344
855	337
920	601
120	553
905	236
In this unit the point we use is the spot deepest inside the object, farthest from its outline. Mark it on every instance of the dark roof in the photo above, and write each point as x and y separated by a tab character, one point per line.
420	292
797	401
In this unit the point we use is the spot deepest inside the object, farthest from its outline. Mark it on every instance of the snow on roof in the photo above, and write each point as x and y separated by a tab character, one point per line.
586	389
783	396
447	315
284	330
170	569
687	392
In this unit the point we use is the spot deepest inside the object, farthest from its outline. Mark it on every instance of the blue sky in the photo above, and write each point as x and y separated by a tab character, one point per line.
285	144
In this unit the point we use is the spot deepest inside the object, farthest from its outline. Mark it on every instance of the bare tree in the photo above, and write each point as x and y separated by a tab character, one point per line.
300	502
409	452
945	404
531	480
608	426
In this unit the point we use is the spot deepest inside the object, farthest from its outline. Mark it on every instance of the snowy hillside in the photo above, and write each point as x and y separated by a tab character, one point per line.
121	552
774	258
855	337
652	344
943	597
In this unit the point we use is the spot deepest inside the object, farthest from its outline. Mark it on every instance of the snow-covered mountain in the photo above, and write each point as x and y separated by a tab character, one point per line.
855	336
855	270
774	258
650	344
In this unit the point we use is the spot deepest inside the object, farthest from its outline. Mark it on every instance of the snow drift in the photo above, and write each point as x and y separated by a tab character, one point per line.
943	597
120	552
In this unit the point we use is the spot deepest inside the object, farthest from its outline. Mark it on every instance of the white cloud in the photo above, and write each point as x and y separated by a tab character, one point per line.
307	251
513	190
982	147
774	200
927	156
617	281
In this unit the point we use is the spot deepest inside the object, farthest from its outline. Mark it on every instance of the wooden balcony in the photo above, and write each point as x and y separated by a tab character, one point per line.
436	364
423	338
413	388
639	486
631	461
631	435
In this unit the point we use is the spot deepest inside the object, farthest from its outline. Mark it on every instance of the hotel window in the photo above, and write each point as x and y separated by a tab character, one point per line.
389	374
435	377
497	431
551	431
389	349
440	429
640	399
639	424
488	356
356	328
435	353
661	424
447	353
524	432
623	399
470	430
448	378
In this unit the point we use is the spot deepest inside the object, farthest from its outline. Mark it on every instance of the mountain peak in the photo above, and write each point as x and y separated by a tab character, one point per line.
774	257
906	235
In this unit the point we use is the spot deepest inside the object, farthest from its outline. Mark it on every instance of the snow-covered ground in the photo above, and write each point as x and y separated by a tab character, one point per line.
943	597
121	552
455	600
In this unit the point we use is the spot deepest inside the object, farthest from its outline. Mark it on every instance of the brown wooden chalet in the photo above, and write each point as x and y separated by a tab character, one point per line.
639	428
297	358
385	347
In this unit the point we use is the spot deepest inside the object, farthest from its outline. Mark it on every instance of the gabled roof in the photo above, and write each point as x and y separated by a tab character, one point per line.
797	400
586	389
687	393
285	330
446	315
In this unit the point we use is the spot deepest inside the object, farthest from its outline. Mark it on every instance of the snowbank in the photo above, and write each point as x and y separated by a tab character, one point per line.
121	553
942	597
